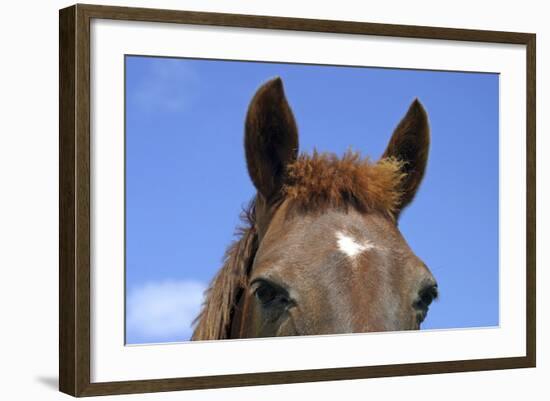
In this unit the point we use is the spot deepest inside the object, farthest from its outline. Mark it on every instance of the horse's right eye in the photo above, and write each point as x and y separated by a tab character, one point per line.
265	293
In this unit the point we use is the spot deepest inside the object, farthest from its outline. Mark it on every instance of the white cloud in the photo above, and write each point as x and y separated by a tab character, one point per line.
163	311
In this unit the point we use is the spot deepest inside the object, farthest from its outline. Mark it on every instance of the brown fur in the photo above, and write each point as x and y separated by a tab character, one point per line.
323	180
410	142
271	138
214	321
309	183
313	183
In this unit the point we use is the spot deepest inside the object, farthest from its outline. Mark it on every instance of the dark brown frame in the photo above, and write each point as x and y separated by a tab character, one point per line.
74	199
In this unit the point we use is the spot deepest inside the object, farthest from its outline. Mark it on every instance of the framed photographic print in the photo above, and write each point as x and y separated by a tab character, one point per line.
251	200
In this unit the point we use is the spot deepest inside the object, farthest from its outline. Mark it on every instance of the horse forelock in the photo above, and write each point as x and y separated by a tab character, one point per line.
322	180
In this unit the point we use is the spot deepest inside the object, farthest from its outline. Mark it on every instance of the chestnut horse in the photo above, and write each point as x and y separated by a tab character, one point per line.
321	252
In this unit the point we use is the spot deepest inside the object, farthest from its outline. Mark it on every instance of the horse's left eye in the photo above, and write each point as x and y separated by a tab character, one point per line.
422	303
426	296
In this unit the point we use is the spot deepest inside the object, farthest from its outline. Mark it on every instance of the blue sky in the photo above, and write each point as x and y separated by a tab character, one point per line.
186	178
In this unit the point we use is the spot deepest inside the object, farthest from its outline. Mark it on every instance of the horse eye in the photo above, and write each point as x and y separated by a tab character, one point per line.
426	296
265	293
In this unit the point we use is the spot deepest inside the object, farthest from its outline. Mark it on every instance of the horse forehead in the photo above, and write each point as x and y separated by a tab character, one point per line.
351	245
318	236
349	232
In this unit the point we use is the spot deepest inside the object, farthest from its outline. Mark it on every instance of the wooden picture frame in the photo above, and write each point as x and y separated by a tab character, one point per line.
74	199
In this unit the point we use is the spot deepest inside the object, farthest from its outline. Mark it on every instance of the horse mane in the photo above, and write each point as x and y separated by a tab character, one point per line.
313	183
322	180
214	320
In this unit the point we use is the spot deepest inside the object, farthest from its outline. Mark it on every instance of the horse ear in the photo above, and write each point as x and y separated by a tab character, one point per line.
410	144
271	138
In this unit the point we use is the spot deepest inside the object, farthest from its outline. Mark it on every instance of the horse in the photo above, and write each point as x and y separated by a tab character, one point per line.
320	251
